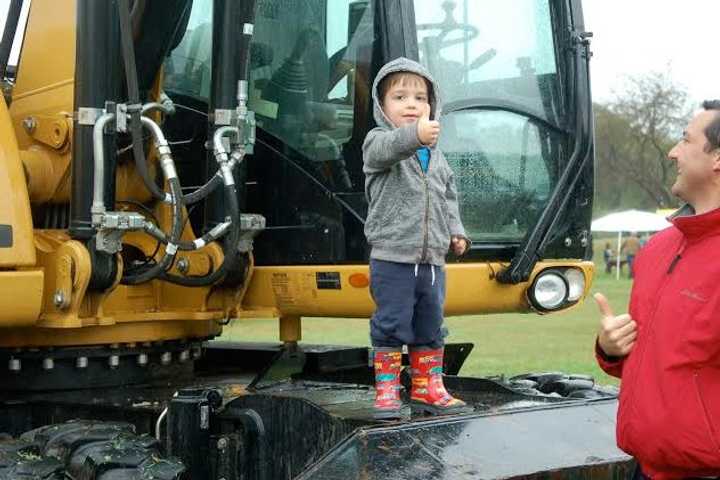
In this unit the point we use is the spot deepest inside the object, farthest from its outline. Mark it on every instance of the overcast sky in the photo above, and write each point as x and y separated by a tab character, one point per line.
633	37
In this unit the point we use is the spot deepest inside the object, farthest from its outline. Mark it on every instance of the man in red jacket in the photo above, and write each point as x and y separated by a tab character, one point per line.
667	349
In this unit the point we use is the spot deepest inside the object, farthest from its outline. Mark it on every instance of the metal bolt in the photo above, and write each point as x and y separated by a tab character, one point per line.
48	363
584	240
142	359
14	365
59	299
166	358
222	443
184	356
81	362
29	124
568	241
113	361
183	265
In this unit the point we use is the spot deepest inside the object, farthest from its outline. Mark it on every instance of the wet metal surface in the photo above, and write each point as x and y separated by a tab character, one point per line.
576	441
320	422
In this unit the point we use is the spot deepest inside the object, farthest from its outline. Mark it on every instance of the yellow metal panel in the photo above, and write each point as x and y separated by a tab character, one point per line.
47	59
15	205
103	335
20	298
471	289
67	268
43	97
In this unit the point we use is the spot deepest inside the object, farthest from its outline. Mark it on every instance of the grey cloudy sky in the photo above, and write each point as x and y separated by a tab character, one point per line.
633	37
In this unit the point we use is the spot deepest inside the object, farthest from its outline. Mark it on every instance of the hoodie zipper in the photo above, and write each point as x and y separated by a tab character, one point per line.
427	206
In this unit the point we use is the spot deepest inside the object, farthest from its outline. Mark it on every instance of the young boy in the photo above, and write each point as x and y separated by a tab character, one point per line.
413	219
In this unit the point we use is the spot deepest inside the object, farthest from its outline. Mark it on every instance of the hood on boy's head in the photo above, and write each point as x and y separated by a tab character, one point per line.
403	65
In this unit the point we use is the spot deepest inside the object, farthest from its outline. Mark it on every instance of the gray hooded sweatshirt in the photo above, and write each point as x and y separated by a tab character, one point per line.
412	214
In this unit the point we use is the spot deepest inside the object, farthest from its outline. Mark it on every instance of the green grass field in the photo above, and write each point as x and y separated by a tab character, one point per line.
504	344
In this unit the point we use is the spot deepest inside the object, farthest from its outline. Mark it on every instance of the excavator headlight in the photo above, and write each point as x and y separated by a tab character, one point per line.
549	290
576	283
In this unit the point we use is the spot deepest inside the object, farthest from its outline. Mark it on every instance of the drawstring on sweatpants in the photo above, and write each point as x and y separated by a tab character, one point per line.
432	271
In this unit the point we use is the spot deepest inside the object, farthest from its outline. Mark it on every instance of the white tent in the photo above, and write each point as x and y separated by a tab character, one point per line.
629	221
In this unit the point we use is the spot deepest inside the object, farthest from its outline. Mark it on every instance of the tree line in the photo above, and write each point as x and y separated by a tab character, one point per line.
633	134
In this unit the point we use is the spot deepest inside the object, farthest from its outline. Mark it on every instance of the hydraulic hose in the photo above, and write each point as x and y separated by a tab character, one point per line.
98	205
136	126
229	247
159	268
218	231
231	241
128	50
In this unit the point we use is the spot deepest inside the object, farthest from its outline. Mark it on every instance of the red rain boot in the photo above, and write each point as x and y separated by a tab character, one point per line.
388	362
428	391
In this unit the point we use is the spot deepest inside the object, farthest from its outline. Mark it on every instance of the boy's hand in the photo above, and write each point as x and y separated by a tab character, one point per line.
458	244
617	334
428	130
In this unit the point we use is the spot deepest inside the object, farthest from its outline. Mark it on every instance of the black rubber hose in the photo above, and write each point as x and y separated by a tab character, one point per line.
210	186
229	248
182	245
203	191
159	268
128	50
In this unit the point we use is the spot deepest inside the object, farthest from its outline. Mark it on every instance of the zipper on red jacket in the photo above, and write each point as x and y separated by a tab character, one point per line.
677	258
651	320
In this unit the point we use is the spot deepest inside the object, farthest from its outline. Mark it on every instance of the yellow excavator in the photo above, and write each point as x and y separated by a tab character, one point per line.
170	166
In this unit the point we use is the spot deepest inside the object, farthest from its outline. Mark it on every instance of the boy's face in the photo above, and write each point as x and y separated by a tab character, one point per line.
406	101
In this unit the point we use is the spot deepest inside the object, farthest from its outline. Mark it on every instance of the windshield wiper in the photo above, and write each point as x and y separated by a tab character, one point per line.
528	255
482	103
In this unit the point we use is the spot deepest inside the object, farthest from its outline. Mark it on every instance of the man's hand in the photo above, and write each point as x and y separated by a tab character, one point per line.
458	244
617	333
428	130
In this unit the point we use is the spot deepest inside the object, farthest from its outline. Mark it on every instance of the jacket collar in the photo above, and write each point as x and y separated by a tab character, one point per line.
694	227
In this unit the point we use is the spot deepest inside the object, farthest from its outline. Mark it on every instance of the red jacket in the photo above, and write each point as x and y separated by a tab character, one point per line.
669	408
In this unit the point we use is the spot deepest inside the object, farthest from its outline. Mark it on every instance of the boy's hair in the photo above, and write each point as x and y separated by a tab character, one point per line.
402	78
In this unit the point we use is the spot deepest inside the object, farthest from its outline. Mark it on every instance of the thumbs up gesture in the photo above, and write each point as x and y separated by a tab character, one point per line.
428	130
617	334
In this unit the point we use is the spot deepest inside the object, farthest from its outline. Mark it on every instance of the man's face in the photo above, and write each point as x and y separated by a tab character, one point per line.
406	101
697	168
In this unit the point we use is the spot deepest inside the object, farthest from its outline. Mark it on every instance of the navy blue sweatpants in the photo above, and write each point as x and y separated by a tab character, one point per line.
409	307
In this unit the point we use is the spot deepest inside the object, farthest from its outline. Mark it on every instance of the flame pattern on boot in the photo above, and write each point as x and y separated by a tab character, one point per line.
428	390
